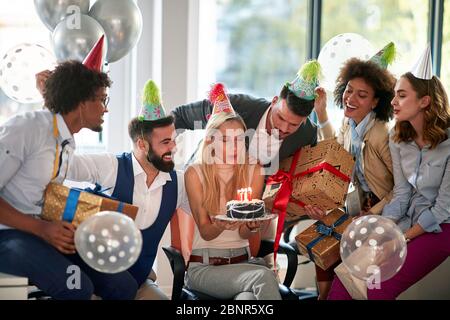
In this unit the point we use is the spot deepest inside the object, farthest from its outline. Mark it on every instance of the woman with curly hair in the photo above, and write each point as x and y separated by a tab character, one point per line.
420	148
364	90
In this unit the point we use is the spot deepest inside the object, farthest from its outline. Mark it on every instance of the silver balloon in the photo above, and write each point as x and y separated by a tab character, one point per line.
108	241
51	12
72	42
122	22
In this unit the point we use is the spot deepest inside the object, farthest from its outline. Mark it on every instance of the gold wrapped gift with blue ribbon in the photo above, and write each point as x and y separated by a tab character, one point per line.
75	205
320	241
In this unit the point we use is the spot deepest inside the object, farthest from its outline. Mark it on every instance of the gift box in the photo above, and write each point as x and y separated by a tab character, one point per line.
320	241
75	205
317	176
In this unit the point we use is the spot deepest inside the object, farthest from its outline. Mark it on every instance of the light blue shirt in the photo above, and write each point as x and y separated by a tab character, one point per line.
422	185
358	131
27	155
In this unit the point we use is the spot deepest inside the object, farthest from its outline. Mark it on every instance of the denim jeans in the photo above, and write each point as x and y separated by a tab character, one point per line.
23	254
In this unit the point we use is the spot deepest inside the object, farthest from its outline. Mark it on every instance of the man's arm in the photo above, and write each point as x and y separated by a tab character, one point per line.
98	168
191	116
59	234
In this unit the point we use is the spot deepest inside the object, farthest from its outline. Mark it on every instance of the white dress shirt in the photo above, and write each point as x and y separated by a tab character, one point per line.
102	169
264	147
27	155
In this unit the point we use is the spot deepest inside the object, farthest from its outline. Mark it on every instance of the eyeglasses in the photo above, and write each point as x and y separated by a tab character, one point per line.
104	100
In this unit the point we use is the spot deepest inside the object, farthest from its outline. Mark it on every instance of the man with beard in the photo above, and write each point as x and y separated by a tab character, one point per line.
36	148
143	177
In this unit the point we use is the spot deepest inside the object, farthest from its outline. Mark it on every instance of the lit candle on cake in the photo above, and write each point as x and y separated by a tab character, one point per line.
245	207
239	195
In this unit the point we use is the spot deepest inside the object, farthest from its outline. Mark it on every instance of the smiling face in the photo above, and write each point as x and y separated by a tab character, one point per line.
358	99
161	148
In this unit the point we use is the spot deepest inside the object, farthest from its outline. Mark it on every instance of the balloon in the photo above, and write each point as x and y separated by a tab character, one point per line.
70	42
51	12
122	22
373	246
337	51
18	68
108	242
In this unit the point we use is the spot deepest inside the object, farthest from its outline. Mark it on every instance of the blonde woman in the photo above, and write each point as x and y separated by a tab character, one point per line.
221	264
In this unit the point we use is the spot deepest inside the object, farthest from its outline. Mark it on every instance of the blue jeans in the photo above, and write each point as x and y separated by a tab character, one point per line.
26	255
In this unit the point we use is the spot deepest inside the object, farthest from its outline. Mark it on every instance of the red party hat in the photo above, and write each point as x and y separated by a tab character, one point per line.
94	59
219	99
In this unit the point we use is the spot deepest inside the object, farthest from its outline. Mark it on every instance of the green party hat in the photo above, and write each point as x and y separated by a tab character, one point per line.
385	56
152	108
307	80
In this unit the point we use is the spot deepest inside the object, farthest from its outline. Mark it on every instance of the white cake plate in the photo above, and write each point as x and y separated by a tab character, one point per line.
224	217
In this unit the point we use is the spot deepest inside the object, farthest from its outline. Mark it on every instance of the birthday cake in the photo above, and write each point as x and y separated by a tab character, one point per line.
245	207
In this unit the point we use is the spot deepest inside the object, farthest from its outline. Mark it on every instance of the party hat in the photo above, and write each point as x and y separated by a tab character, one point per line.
385	56
94	59
152	108
307	80
219	99
423	68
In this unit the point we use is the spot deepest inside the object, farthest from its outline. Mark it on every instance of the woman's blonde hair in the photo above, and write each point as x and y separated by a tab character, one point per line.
436	114
211	184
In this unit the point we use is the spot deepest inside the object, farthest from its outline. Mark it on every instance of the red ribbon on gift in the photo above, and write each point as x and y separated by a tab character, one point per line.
283	196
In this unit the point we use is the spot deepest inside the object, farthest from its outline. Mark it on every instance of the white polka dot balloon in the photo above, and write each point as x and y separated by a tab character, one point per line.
373	245
18	68
108	242
337	51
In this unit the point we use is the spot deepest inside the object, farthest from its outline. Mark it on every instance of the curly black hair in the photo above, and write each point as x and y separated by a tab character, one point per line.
300	107
381	81
70	84
137	127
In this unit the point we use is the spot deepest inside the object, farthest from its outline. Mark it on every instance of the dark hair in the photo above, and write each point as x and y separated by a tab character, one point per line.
137	127
70	84
437	114
300	107
381	81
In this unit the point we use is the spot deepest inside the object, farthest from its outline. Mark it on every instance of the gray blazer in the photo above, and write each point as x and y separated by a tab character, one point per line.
251	110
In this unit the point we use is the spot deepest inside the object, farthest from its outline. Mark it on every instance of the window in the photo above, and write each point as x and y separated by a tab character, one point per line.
445	68
405	22
20	23
252	46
